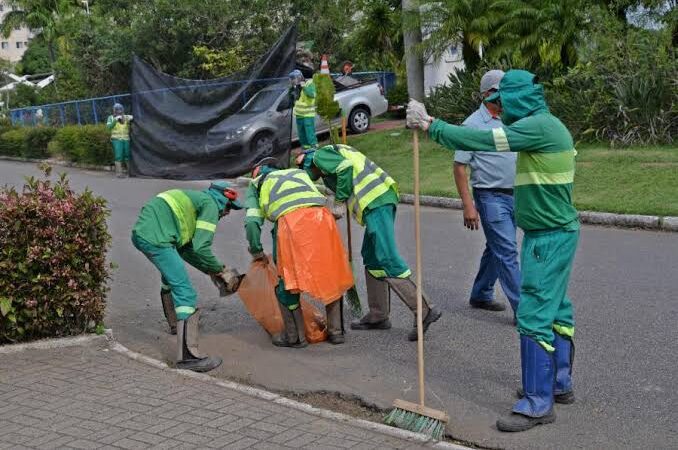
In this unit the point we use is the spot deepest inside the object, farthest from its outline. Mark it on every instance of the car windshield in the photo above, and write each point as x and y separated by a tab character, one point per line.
262	101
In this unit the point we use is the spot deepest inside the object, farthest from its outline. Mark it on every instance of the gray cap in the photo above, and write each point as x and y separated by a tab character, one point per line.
491	80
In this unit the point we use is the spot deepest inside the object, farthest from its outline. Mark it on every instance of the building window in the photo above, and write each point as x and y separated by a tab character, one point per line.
25	44
5	45
2	8
19	45
17	28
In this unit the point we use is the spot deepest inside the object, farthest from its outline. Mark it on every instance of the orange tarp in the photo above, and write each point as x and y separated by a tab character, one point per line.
311	256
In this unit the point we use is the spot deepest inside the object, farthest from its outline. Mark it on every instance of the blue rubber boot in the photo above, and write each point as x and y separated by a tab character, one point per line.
536	407
564	357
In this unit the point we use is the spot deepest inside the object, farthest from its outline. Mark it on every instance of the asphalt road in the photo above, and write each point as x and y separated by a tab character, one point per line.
623	286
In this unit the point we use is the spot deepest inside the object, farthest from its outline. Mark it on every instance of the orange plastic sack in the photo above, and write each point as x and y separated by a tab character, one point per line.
257	292
315	323
311	255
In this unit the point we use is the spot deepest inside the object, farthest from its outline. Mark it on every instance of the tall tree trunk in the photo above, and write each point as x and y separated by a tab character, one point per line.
470	55
413	59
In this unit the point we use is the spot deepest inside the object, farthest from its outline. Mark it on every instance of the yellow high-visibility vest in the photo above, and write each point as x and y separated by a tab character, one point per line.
284	191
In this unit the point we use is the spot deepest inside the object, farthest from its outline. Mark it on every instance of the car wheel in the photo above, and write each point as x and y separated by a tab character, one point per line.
263	144
359	120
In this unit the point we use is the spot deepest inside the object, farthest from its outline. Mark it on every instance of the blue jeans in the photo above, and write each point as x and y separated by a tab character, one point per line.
500	258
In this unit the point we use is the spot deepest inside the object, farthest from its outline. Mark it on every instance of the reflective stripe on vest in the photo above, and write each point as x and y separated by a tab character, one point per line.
184	213
369	181
121	130
284	191
305	105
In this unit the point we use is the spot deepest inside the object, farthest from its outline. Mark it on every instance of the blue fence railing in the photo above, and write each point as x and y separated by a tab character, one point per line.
94	111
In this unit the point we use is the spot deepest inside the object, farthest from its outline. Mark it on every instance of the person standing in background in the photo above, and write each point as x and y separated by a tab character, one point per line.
118	123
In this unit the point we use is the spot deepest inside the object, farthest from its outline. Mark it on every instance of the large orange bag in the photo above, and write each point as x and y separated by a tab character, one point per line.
311	255
257	292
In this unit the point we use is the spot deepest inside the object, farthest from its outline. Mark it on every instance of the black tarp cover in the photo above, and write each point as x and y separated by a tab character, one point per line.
176	131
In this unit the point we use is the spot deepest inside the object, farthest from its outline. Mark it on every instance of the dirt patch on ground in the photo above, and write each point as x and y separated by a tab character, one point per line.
660	164
345	404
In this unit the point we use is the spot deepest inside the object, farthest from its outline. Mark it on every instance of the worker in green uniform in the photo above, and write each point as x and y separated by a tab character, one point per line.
304	93
544	210
119	123
372	196
276	194
176	226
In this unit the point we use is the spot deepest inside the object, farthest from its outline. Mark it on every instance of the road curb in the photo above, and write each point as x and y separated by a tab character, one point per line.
662	223
50	344
272	397
58	162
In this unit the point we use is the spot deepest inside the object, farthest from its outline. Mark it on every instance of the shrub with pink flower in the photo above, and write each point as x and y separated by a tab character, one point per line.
53	269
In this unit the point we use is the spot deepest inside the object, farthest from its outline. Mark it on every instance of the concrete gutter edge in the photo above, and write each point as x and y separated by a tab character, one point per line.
108	339
289	403
663	223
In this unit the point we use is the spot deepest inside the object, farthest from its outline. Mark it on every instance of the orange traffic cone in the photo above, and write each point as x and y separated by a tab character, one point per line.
324	67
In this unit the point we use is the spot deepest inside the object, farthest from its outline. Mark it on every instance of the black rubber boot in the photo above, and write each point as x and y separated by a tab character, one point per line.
362	324
488	306
515	422
168	310
294	334
433	315
188	357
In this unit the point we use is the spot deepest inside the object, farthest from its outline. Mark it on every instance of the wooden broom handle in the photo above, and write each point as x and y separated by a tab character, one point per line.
417	236
348	209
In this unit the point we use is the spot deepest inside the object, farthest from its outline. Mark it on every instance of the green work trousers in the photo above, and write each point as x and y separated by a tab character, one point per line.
120	149
379	251
174	275
288	299
546	262
306	132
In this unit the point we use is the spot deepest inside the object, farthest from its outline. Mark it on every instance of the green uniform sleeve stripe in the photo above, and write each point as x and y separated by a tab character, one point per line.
184	310
500	140
252	212
201	224
544	178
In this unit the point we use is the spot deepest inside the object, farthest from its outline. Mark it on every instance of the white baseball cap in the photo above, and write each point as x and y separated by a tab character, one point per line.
491	80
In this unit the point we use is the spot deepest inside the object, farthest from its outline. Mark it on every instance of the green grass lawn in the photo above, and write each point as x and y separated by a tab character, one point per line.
638	180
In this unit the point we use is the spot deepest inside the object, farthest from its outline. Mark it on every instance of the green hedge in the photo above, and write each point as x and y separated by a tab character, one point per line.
13	142
87	144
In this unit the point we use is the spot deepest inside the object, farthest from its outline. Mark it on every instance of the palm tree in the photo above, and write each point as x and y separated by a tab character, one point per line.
470	23
540	33
42	15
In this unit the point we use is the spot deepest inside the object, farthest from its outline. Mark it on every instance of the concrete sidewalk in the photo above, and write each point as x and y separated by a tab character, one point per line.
89	396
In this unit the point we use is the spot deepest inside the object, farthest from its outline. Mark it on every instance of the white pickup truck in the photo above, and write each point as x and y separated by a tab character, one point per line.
263	123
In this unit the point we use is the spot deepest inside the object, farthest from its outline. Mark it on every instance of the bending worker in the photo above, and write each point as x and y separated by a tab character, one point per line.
177	226
118	123
304	109
544	210
307	247
372	195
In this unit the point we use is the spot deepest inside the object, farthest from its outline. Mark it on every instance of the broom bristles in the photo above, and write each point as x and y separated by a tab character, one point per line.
353	300
415	422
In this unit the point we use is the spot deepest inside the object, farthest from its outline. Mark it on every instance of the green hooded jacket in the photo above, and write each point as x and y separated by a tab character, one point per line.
545	165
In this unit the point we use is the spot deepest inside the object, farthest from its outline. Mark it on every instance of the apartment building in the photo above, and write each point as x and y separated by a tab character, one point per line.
13	47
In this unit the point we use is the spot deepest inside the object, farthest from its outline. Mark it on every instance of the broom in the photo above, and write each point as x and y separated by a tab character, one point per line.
352	296
406	415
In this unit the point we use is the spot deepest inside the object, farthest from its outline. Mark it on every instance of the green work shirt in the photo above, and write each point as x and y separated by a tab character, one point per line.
341	181
544	169
158	225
